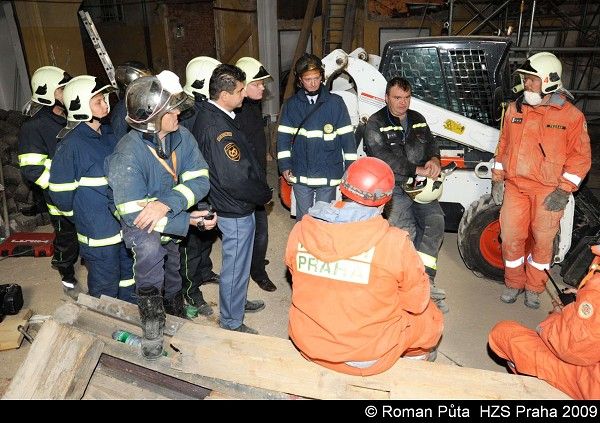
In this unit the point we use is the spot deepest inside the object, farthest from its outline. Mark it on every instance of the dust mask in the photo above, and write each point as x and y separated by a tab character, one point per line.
533	99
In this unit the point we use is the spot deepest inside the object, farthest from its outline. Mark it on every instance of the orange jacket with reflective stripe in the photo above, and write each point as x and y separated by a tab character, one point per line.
574	336
544	146
354	287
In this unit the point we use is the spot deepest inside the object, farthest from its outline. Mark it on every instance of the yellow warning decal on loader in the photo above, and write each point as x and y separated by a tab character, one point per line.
454	126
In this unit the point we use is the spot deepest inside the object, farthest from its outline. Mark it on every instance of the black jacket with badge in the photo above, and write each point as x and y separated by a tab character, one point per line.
402	148
237	181
250	118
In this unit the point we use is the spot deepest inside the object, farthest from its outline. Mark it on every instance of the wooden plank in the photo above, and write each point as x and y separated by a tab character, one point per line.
10	337
129	313
275	364
103	387
102	327
59	364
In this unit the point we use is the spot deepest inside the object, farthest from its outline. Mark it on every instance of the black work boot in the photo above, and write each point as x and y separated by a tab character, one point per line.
174	306
152	317
196	305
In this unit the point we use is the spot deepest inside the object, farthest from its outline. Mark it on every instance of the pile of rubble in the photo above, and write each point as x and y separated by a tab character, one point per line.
24	200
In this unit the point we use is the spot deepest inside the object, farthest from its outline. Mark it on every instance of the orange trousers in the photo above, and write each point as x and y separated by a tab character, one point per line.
523	213
524	347
422	335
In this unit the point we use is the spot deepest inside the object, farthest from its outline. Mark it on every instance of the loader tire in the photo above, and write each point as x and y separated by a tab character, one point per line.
479	240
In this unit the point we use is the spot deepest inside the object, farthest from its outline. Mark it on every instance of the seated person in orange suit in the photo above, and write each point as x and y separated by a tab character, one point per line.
564	350
360	297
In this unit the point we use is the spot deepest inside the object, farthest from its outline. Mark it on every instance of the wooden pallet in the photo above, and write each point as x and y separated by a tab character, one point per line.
74	357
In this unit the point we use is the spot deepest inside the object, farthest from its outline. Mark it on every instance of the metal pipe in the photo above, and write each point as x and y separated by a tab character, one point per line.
531	24
492	16
477	14
450	17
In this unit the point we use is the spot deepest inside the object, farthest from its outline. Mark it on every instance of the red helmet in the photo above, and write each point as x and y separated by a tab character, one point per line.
368	181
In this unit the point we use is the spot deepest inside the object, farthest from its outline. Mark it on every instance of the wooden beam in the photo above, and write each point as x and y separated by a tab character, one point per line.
59	364
301	46
348	34
92	319
275	364
10	337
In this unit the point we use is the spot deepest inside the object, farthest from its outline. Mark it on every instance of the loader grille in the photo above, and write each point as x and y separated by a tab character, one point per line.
460	75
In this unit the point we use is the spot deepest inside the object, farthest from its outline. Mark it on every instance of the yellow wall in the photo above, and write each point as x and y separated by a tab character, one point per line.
50	34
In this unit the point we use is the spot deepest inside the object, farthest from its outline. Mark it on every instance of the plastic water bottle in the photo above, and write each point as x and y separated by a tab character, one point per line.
127	338
130	339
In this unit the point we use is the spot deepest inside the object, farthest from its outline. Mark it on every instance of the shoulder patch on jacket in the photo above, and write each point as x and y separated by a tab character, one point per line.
232	151
223	135
516	120
585	310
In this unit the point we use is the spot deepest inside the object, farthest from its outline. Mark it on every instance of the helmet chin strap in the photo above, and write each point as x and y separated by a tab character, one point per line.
158	147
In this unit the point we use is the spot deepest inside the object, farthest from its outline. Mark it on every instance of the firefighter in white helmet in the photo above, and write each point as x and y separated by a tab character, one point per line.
37	145
250	119
196	265
80	191
157	175
543	155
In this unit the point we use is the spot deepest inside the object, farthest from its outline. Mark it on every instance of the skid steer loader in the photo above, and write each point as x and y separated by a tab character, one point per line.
459	84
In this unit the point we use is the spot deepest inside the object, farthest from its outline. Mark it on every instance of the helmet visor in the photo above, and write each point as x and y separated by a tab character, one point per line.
180	101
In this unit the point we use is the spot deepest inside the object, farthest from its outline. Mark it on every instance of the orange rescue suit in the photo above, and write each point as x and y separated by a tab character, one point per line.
540	148
360	294
565	350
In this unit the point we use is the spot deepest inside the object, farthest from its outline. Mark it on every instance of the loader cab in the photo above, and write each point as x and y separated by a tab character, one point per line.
466	75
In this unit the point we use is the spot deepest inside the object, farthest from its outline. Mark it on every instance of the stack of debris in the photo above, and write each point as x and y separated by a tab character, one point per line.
24	200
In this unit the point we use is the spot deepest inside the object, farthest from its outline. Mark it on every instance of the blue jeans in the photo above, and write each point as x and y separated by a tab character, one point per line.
423	222
307	196
237	242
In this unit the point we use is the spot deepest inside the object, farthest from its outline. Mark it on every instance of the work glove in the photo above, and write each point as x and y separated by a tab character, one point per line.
557	200
498	192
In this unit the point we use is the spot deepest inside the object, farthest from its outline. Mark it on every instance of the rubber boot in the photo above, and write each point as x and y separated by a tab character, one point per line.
174	306
71	287
152	317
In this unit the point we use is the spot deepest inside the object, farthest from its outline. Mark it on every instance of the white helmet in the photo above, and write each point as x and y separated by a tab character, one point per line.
197	75
77	95
44	83
253	69
547	67
149	98
424	190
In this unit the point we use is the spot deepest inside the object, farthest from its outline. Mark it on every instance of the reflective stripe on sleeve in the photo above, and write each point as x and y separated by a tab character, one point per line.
193	174
32	159
187	193
571	177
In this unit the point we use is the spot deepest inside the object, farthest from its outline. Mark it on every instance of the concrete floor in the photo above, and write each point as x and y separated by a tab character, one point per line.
474	302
